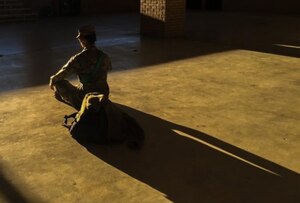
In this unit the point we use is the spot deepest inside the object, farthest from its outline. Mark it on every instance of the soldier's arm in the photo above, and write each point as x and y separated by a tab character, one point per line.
107	64
67	70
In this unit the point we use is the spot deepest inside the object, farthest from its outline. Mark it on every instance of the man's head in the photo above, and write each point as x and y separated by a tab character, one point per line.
87	35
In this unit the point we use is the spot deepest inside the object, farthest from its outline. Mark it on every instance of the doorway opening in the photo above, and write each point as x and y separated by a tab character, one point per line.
213	5
209	5
194	4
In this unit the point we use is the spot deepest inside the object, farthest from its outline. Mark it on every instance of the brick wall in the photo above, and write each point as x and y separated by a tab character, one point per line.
153	14
163	18
175	17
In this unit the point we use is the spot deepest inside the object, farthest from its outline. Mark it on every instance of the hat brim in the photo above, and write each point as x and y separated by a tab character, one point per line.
82	35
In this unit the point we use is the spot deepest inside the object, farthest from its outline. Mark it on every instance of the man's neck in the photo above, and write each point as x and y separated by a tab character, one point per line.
89	46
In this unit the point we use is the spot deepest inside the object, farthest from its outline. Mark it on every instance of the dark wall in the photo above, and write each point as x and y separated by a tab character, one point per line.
84	7
269	6
194	4
37	5
90	7
214	5
99	6
204	5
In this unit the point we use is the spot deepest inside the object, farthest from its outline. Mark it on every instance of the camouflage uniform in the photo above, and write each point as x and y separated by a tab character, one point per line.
82	64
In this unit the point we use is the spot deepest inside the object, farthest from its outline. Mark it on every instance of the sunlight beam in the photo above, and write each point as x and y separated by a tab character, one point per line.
287	46
223	151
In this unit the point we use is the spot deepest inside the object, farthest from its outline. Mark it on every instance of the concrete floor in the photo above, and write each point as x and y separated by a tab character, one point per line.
220	109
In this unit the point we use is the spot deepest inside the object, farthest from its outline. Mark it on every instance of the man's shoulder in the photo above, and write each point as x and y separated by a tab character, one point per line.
81	54
88	55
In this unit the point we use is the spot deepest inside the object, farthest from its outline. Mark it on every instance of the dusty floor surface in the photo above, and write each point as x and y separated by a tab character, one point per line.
219	107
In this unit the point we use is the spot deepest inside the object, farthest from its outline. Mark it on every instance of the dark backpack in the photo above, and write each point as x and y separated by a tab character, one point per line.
100	121
88	126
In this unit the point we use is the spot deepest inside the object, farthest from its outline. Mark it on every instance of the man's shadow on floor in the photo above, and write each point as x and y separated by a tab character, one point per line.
190	166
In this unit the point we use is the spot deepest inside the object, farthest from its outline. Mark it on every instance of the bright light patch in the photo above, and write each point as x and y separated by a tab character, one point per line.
288	46
223	151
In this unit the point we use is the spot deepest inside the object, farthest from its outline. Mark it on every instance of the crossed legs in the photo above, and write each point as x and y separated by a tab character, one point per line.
67	93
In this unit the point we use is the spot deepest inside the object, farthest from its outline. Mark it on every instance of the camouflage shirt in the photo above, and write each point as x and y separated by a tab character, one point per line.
82	64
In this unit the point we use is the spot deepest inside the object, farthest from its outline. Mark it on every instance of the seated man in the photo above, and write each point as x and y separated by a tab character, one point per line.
90	65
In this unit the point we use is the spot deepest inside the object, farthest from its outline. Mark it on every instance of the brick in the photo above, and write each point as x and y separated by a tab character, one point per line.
162	17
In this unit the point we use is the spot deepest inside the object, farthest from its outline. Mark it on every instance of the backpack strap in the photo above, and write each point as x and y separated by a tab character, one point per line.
66	117
89	77
99	61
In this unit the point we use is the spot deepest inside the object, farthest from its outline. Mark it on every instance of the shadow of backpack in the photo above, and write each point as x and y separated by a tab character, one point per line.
100	121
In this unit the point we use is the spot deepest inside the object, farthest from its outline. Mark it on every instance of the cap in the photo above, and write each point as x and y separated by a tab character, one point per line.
86	30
